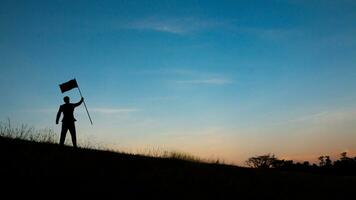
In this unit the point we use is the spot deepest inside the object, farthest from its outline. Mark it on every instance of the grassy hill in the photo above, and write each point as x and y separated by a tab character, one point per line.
34	166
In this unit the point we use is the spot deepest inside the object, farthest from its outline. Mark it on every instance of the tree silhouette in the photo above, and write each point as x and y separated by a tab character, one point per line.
328	162
321	161
344	166
325	161
264	161
343	156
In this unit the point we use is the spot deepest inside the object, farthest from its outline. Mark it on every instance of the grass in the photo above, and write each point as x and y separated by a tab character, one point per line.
36	164
25	132
29	133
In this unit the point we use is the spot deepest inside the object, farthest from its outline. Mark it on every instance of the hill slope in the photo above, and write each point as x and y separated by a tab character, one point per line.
33	166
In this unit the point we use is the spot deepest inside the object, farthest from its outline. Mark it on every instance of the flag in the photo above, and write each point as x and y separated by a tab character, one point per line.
68	85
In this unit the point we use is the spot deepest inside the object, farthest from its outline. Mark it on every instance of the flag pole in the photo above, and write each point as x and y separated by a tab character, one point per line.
85	105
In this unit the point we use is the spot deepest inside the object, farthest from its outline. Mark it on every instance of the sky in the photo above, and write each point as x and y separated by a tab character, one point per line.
216	79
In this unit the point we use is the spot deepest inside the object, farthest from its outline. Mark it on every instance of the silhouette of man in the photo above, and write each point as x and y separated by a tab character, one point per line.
68	121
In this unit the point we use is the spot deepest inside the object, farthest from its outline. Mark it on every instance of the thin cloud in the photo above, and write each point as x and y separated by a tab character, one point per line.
270	33
183	25
160	26
311	117
327	116
189	76
114	110
210	81
162	98
188	25
170	71
40	110
92	110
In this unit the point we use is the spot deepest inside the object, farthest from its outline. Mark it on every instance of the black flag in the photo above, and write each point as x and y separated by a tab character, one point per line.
68	85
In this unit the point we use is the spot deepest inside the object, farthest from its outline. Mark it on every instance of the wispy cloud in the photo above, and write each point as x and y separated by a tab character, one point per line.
114	110
170	71
191	24
40	110
162	98
327	116
174	25
311	117
270	33
190	76
92	110
211	81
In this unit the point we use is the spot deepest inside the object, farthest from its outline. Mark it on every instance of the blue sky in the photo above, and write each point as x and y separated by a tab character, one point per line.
227	79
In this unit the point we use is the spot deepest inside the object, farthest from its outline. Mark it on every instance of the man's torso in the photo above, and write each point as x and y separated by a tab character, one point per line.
68	112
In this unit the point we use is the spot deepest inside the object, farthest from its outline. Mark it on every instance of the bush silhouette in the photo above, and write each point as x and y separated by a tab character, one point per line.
344	166
264	161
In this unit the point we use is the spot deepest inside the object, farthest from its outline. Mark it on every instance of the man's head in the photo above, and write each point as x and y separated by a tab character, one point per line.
66	99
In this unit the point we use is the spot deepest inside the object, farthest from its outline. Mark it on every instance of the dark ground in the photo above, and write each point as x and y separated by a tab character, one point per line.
30	168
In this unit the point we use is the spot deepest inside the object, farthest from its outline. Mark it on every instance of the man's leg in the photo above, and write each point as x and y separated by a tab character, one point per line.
63	134
73	134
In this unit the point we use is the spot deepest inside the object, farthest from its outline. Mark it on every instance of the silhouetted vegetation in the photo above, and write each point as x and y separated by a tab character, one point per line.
32	162
44	167
343	166
25	132
264	161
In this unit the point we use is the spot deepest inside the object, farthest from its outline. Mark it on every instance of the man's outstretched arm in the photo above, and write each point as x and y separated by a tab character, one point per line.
58	115
80	102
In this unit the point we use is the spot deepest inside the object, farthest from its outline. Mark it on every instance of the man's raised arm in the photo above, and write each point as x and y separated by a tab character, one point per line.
58	114
80	102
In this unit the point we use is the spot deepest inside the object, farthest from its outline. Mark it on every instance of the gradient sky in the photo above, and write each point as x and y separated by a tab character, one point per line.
217	79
